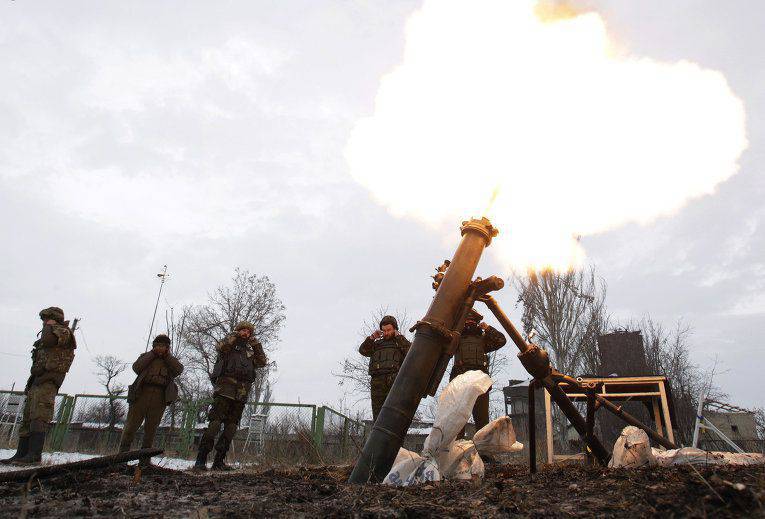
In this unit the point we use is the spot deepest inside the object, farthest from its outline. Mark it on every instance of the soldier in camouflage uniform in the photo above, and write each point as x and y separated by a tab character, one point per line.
477	340
151	392
239	355
386	349
52	355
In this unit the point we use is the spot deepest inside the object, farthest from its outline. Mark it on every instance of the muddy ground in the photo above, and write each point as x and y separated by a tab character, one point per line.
571	491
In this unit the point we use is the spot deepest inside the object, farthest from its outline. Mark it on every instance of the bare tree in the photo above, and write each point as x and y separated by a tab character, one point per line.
759	420
668	354
567	312
354	368
249	297
109	368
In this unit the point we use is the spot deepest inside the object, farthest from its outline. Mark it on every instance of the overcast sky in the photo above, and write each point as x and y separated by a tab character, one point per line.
207	136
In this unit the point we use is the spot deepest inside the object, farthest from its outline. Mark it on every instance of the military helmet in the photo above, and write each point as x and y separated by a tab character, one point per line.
389	319
161	339
474	316
244	325
53	312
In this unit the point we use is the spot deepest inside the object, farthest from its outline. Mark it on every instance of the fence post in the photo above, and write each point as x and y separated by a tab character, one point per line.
63	419
189	419
345	436
318	428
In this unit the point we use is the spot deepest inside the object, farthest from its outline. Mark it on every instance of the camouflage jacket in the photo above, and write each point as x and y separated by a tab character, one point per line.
236	365
52	355
152	369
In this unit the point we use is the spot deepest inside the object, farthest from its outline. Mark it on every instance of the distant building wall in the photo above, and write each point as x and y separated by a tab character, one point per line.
622	353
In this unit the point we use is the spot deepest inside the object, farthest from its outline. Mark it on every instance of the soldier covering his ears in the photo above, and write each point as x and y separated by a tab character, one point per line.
239	355
151	392
477	340
386	349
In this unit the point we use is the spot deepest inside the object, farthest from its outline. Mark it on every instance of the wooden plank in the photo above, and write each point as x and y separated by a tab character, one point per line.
665	409
612	396
549	428
657	416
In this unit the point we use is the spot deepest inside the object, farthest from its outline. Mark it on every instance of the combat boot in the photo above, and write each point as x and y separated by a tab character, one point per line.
219	462
201	463
34	452
21	450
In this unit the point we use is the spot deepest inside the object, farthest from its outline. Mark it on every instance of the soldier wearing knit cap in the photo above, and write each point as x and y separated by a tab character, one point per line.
153	389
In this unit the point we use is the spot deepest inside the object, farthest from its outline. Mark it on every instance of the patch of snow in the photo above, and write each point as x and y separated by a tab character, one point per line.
56	458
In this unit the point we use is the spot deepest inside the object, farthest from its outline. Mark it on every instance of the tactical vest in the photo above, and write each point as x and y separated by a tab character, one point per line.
157	373
237	363
386	357
471	353
58	358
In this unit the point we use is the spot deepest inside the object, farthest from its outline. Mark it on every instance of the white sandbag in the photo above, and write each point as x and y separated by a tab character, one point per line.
455	405
632	449
454	408
497	437
691	456
413	471
460	461
404	454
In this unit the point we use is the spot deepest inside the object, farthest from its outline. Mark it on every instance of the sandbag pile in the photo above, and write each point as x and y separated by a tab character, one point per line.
691	456
444	457
633	449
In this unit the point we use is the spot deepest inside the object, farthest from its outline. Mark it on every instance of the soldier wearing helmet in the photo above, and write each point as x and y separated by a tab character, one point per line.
52	356
478	339
386	349
154	388
240	354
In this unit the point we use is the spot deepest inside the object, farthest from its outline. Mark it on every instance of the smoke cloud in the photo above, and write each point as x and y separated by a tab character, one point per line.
573	136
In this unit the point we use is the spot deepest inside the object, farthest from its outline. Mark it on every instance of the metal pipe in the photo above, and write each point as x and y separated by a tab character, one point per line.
624	415
506	323
433	332
590	424
532	436
536	362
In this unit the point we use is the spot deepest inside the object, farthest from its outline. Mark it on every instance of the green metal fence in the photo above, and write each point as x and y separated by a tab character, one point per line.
270	431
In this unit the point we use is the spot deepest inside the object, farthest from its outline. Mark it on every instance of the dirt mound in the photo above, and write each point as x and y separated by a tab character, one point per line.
570	491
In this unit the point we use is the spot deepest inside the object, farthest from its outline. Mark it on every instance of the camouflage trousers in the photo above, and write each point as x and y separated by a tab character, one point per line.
225	412
38	408
381	385
148	409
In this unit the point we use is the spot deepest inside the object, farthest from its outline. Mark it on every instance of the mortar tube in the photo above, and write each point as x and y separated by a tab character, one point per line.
411	383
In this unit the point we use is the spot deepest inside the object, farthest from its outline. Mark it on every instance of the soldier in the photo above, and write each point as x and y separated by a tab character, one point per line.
52	355
151	392
239	355
477	340
386	349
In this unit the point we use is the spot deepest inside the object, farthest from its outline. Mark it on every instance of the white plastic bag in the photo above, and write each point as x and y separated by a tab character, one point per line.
455	405
632	449
441	455
413	471
460	461
497	437
691	456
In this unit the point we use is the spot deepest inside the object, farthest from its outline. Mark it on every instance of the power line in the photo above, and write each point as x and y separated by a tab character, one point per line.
13	354
82	334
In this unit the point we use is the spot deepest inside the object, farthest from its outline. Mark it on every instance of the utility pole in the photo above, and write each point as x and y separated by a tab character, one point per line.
163	276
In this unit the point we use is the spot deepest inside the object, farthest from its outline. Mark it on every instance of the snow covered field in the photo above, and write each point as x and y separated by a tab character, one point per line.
55	458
